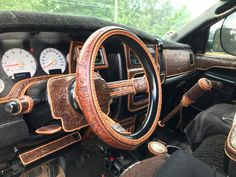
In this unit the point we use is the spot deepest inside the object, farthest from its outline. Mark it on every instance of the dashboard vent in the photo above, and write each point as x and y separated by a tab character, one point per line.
134	58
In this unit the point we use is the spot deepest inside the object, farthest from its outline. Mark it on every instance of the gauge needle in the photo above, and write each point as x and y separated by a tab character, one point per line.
12	65
51	63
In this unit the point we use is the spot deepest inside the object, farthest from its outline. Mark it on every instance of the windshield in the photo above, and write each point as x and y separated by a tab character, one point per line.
153	16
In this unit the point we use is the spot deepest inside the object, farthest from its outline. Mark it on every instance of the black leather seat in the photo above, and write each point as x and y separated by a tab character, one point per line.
206	134
180	164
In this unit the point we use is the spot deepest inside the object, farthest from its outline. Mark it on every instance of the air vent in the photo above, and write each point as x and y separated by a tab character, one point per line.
134	59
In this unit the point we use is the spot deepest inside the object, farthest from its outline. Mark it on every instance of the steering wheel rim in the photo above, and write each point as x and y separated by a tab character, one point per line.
85	92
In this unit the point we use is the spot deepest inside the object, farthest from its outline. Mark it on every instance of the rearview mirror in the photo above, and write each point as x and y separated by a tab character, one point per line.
228	34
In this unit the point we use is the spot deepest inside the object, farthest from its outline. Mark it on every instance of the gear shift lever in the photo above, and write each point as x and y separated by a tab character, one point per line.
191	96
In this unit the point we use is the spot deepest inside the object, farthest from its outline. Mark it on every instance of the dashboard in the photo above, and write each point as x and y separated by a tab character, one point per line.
29	59
33	54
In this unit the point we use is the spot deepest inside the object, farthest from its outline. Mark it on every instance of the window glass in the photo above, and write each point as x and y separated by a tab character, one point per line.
156	17
213	43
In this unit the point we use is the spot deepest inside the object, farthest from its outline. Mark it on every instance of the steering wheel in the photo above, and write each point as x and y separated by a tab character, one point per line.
88	85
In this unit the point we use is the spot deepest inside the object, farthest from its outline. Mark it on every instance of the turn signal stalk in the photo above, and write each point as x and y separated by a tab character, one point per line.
22	105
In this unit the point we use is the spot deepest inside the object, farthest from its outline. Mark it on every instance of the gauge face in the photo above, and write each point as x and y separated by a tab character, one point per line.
2	85
52	61
16	60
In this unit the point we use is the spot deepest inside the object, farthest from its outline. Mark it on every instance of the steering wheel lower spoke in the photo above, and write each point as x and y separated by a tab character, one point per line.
126	87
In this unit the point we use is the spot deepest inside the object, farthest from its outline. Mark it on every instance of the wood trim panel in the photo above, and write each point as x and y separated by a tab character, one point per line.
178	62
132	71
128	61
38	153
74	52
157	59
208	61
132	66
20	88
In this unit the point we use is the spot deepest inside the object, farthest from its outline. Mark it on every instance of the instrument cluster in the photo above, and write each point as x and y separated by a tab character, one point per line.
25	54
30	54
19	63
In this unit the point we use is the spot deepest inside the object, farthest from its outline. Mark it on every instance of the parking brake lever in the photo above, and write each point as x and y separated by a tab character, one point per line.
191	96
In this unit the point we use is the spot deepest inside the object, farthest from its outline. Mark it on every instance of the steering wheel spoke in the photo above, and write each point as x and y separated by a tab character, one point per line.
126	87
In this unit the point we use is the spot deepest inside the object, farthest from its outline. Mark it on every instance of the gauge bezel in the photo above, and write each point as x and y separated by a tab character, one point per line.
28	53
47	71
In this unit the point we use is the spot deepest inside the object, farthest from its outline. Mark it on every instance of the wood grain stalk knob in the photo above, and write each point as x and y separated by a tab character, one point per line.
12	107
22	105
196	91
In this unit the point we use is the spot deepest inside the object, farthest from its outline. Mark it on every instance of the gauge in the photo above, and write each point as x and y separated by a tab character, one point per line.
52	61
2	85
16	61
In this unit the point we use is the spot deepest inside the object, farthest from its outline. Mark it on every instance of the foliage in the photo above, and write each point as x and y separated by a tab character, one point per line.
153	16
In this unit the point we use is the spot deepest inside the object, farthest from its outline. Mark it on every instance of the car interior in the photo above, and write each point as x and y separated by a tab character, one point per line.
81	96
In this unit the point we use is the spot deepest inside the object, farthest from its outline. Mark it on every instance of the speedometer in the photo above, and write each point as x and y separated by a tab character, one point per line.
52	61
18	61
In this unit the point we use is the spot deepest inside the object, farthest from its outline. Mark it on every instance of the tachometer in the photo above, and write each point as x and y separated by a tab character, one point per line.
16	61
52	61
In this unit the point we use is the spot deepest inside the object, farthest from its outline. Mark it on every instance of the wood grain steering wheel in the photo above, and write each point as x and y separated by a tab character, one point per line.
87	97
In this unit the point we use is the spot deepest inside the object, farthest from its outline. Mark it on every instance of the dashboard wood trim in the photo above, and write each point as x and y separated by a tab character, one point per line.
20	88
71	63
132	71
209	61
75	46
42	151
178	62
